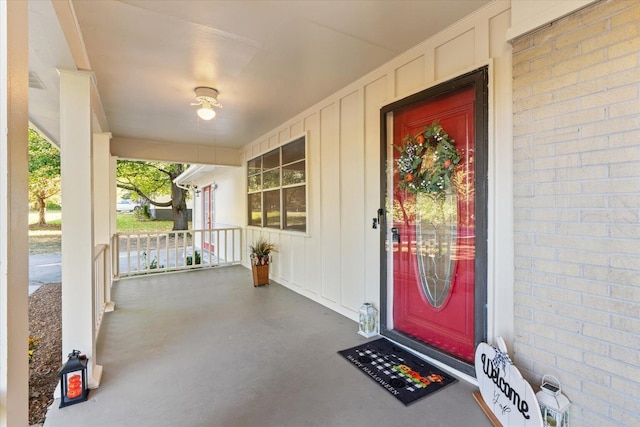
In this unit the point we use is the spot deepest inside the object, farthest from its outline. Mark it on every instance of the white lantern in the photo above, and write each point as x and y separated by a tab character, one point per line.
553	404
368	320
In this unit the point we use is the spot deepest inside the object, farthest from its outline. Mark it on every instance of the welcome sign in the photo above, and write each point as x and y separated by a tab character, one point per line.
503	389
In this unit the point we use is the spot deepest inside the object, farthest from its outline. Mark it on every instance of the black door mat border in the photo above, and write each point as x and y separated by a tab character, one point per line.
406	377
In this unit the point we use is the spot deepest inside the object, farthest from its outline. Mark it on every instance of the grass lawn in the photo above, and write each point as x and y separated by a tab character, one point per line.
47	238
130	223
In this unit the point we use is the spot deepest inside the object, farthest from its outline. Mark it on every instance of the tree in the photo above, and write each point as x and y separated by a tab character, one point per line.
44	172
152	179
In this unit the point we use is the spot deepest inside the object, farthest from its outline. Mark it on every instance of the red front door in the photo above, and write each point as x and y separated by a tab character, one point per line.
433	245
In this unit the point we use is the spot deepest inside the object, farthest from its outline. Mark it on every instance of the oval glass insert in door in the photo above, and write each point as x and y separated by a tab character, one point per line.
436	235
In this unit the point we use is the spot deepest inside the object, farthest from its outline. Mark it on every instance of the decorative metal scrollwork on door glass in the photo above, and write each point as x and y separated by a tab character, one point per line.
436	233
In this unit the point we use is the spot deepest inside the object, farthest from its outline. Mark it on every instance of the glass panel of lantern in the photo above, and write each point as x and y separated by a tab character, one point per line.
554	405
73	380
367	326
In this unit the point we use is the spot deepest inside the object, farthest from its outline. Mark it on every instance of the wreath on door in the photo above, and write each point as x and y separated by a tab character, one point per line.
427	161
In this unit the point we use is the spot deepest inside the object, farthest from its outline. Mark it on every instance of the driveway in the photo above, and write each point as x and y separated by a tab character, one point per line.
44	268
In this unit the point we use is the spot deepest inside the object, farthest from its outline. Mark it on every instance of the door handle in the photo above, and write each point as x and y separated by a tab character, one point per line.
378	220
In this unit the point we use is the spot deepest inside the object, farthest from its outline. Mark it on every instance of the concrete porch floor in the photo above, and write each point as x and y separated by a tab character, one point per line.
206	348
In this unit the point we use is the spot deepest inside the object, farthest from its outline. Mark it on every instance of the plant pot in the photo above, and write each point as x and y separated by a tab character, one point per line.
260	275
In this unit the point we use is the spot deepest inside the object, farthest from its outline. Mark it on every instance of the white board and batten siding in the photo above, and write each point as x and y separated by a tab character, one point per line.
337	262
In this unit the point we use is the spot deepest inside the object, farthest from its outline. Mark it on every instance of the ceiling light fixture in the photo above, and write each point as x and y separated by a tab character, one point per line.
207	98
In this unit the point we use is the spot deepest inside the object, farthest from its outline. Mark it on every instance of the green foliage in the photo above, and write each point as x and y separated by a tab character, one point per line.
151	265
33	345
44	172
198	259
261	250
44	158
145	179
126	223
148	180
143	213
427	162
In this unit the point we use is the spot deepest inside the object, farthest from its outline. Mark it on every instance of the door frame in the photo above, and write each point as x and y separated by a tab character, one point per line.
207	217
479	80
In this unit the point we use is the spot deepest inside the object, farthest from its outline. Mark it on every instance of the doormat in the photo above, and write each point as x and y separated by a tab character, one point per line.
405	376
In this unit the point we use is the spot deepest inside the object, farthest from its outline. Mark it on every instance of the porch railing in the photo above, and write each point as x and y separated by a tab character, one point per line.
145	253
101	284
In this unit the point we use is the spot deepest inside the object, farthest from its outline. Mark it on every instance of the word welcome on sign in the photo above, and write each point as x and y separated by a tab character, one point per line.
504	391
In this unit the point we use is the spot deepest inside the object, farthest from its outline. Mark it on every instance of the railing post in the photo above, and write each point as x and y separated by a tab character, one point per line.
115	256
109	304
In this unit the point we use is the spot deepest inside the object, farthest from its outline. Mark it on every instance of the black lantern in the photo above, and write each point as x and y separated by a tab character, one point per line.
73	380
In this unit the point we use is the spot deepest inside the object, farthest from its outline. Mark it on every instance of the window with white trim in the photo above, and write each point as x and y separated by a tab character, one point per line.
277	188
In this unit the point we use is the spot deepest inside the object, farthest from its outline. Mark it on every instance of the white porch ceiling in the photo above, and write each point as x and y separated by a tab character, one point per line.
269	59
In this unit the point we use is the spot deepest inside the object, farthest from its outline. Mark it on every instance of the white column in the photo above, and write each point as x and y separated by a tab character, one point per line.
14	250
78	332
102	203
113	195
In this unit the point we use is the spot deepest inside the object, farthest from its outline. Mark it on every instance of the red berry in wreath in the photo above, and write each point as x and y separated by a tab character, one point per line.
420	139
447	163
408	177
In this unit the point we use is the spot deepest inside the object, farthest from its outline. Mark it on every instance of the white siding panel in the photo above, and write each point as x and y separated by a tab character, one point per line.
298	261
296	129
352	201
284	136
264	147
280	257
313	244
447	63
410	76
330	200
286	258
273	142
375	95
231	181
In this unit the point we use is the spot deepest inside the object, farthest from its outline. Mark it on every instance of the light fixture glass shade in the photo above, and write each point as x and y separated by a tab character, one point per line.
206	112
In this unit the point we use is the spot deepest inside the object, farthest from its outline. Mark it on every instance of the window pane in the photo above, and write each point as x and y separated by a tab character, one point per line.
255	210
293	173
254	166
293	151
295	207
272	208
254	183
271	179
271	159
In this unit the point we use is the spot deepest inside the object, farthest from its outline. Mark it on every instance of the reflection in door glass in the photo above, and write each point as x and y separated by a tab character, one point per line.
436	232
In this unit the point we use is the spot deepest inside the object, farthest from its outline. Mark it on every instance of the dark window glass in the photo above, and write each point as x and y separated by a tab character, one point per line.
293	151
295	208
271	159
276	188
254	166
255	209
272	208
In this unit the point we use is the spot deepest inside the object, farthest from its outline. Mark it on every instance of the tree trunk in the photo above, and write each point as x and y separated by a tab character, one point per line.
179	207
180	218
42	209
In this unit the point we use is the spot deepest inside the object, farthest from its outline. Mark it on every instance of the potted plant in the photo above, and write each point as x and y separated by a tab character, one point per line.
260	254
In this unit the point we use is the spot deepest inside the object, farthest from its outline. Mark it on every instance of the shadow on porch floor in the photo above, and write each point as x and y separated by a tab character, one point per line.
206	348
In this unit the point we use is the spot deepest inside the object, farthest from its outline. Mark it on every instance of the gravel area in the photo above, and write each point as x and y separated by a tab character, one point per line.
44	325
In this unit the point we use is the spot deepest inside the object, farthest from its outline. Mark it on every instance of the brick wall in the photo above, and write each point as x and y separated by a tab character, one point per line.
576	128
